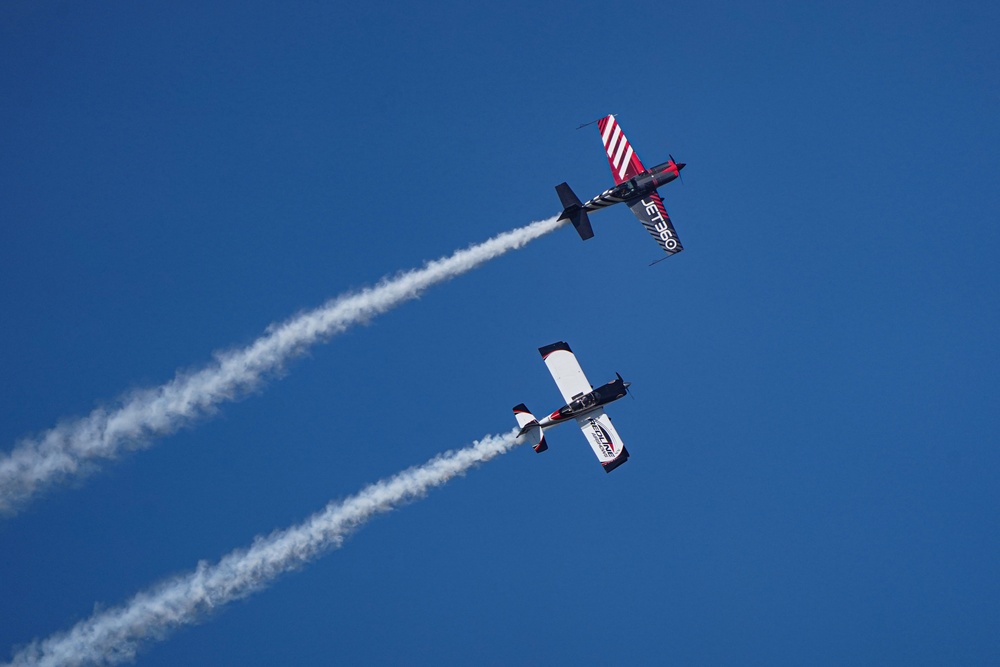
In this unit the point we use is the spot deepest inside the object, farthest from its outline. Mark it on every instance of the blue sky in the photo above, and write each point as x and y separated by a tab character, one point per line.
814	435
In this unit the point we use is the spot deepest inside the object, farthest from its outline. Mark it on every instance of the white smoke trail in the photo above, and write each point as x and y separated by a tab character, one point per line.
71	448
115	635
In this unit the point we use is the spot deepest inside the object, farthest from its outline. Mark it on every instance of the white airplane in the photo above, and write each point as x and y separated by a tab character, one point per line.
583	403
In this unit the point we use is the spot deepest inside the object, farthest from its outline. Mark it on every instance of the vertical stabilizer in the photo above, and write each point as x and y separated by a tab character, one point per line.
574	212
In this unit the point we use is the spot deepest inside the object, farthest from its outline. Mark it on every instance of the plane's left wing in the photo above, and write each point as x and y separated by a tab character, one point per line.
565	370
653	216
624	162
603	439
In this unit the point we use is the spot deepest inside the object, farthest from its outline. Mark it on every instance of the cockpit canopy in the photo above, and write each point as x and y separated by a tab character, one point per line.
625	190
604	394
585	402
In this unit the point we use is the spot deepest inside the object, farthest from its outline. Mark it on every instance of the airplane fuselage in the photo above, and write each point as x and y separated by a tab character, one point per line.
589	402
637	187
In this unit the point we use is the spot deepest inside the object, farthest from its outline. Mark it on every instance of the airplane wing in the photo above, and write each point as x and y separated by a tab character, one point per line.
565	370
624	162
654	218
603	439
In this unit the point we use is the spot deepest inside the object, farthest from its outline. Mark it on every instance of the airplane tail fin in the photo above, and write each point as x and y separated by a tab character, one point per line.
573	211
530	428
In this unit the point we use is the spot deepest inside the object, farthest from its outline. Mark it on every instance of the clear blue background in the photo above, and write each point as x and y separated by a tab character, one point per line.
814	436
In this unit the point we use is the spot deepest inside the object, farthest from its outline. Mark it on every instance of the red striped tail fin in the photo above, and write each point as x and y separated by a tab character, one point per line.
624	162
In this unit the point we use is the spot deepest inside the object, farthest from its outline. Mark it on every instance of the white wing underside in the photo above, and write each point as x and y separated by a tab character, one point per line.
566	371
601	435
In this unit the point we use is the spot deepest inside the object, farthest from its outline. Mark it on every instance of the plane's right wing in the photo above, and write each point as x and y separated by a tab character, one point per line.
603	439
565	370
654	218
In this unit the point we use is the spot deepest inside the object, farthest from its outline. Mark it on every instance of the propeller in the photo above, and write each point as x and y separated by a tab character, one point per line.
627	384
681	178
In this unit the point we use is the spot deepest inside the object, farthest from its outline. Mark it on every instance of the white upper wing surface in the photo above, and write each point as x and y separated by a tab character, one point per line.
565	370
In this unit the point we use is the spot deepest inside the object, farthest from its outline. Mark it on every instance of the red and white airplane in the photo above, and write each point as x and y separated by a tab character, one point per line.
583	403
635	185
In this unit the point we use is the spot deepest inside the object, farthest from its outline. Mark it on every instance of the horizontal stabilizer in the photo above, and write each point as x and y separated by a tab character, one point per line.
530	428
574	212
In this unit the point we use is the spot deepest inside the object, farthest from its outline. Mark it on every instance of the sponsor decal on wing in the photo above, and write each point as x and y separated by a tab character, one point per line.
602	438
653	216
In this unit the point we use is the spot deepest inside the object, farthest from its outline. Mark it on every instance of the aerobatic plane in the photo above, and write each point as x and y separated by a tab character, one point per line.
583	403
634	184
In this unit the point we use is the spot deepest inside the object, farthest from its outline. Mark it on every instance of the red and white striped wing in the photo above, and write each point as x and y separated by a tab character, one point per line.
624	162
